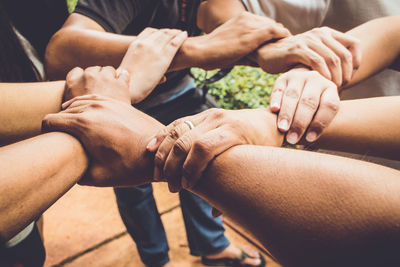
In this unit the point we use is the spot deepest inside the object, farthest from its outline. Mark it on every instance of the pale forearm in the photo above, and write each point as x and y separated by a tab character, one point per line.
23	106
366	126
380	49
35	173
307	208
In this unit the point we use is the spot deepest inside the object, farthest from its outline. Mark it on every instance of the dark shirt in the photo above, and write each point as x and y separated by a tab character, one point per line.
37	20
130	17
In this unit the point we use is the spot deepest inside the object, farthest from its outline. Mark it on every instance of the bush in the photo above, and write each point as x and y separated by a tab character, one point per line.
243	87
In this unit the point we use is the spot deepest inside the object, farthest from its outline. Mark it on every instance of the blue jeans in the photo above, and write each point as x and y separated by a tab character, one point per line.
139	212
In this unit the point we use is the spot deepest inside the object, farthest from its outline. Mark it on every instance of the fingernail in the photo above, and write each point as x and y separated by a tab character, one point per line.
151	144
292	138
275	106
257	262
311	136
283	125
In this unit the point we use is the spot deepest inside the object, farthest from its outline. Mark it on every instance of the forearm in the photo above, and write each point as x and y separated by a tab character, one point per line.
365	126
307	208
380	49
76	46
23	106
35	173
213	13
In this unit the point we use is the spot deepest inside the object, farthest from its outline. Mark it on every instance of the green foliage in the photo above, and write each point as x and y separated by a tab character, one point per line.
71	5
243	87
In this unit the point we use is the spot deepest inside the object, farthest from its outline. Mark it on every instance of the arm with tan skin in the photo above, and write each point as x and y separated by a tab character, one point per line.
35	173
307	102
367	126
277	194
23	106
83	42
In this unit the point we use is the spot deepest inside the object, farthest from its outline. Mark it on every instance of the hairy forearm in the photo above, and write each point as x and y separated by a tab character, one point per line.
23	106
365	126
35	173
380	49
308	209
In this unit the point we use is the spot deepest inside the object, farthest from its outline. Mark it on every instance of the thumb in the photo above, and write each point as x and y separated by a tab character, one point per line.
123	75
60	122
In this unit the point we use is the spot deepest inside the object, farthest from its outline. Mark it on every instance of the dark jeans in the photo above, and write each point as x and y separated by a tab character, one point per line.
139	212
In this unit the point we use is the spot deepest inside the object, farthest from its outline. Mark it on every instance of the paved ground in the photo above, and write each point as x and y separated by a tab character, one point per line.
84	229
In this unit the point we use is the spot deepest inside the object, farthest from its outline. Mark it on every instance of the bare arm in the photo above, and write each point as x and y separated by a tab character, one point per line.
380	50
35	173
366	126
309	209
83	42
23	106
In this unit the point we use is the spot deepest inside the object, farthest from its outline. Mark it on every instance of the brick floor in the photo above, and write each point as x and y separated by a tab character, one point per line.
84	229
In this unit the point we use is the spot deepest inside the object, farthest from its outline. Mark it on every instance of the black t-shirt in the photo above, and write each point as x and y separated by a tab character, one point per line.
37	20
130	17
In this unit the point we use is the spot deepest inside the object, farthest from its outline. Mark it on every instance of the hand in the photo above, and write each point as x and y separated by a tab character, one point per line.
97	80
183	153
148	58
233	41
304	99
333	54
113	134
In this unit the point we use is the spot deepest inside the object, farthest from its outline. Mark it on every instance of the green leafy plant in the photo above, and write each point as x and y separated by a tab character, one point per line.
243	87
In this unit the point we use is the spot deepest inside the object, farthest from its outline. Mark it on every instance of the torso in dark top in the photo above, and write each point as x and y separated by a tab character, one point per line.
130	17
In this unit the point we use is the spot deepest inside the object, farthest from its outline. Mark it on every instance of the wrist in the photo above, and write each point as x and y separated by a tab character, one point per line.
186	55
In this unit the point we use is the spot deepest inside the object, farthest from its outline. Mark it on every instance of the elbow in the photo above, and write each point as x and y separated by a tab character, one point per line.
56	54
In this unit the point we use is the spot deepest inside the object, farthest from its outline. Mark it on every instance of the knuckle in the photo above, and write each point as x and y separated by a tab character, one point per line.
310	102
181	147
174	133
292	93
218	113
333	60
277	90
331	104
159	158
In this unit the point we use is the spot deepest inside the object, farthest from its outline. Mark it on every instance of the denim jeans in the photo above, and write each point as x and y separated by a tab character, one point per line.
139	212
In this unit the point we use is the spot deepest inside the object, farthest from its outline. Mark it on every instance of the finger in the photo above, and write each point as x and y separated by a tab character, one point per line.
63	122
204	150
345	55
328	108
306	108
290	99
313	60
352	44
176	158
277	93
145	33
176	42
171	133
74	75
93	69
331	60
66	104
174	131
109	72
123	75
278	31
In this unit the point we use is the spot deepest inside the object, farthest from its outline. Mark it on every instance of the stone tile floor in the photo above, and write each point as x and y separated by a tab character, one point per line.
84	229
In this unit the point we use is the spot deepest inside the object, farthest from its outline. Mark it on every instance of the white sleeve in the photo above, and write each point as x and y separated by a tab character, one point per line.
297	15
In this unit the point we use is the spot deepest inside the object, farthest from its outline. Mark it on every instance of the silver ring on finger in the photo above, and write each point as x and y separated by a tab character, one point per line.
190	124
